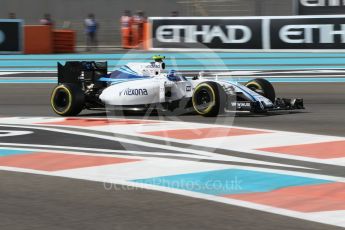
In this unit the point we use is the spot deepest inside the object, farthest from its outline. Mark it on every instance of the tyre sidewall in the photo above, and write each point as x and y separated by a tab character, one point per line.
214	109
265	86
76	100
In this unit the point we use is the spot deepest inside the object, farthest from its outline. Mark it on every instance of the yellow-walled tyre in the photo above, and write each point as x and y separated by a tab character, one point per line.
262	87
67	100
206	99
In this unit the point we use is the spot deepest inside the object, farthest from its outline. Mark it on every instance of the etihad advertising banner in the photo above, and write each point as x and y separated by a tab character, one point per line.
317	7
249	33
212	33
307	33
11	36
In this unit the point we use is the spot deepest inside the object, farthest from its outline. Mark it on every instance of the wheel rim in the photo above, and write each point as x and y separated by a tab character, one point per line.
203	100
256	88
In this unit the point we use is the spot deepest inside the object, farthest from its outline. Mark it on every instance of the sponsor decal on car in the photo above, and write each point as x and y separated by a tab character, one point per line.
241	104
133	92
153	65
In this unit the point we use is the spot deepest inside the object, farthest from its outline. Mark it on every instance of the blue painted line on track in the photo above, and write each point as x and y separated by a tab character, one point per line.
9	152
262	61
238	79
272	61
177	55
198	68
230	181
25	81
193	62
298	80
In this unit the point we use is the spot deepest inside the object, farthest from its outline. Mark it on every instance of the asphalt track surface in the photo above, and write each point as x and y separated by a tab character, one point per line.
31	201
324	102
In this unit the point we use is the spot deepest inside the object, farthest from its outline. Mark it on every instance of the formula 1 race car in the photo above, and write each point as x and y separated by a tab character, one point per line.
145	86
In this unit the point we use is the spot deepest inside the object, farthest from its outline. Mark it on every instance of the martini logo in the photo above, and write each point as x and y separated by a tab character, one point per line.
2	37
133	92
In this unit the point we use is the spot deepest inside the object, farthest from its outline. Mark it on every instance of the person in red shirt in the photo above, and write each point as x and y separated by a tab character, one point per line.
138	28
126	32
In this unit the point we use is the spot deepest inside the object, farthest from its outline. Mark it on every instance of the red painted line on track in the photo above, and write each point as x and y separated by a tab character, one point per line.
190	134
96	122
309	198
50	161
325	150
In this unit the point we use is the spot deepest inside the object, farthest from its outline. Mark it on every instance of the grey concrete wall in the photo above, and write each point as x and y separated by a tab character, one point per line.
240	7
275	7
108	12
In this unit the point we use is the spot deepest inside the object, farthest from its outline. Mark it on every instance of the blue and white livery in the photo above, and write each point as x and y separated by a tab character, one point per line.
144	86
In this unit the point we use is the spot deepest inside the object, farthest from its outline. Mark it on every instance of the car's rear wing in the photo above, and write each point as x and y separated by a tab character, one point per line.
78	72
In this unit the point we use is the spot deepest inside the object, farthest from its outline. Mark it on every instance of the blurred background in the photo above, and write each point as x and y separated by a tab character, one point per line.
70	14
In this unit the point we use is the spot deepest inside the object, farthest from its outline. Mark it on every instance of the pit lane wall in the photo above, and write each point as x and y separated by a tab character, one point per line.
16	38
305	33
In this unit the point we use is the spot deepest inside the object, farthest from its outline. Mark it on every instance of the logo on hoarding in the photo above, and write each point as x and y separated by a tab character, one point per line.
312	33
206	34
2	37
318	3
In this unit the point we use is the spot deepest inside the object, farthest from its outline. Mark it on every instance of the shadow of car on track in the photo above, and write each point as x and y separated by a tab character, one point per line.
269	114
155	114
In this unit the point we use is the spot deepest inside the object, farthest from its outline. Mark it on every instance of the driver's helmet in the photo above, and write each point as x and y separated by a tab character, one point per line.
172	76
158	58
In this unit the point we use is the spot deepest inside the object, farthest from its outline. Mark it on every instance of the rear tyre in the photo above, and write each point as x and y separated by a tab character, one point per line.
67	100
262	87
206	99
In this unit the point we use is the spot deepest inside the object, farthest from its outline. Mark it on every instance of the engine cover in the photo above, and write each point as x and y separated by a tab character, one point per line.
140	92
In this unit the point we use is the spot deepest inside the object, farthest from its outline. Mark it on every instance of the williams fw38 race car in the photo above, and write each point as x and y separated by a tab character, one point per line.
148	86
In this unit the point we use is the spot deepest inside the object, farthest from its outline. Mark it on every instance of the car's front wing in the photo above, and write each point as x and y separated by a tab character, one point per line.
257	106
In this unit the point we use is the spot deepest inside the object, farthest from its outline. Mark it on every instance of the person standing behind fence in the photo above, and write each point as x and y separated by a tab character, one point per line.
138	28
47	20
126	33
12	16
174	13
91	27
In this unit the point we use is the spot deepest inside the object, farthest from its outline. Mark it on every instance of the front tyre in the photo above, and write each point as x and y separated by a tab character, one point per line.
262	87
67	100
206	99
